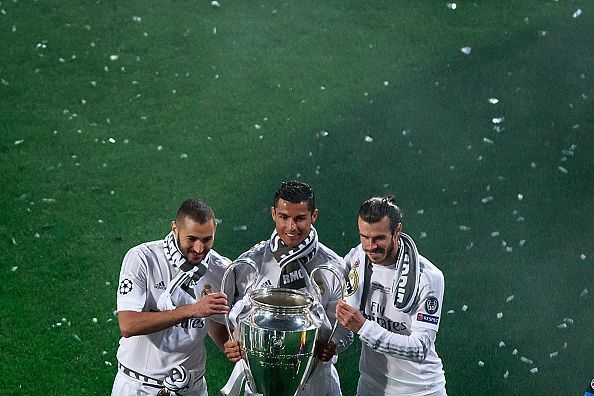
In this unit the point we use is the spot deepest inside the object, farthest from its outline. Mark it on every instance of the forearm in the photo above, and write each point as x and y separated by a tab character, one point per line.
412	347
139	323
218	333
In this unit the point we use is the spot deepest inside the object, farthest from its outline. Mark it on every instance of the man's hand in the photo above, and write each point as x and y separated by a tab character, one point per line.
349	317
325	350
233	350
211	304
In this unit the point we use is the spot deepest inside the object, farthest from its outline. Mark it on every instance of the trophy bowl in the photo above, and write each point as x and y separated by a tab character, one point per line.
279	336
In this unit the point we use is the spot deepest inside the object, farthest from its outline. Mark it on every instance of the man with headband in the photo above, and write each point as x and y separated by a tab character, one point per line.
394	300
167	290
294	242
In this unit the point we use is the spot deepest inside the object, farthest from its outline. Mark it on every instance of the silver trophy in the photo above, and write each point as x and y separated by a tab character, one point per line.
279	333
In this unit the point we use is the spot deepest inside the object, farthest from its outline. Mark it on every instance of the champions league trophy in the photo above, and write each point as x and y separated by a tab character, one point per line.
278	329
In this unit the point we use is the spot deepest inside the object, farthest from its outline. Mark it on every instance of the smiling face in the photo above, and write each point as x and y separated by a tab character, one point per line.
193	238
293	221
379	243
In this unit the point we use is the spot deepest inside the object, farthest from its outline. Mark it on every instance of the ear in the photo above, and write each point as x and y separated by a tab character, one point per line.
273	213
398	230
314	215
174	227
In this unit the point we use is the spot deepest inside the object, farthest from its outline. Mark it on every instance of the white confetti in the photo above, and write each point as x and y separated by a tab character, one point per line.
464	308
76	337
525	360
481	363
136	19
568	320
487	140
577	13
368	139
487	199
493	100
242	227
451	6
183	156
553	354
466	50
495	234
17	142
562	326
584	293
386	83
13	269
522	242
501	344
107	363
114	57
423	235
510	298
520	197
515	351
563	170
582	256
498	120
111	140
451	311
534	370
506	374
94	320
499	315
464	228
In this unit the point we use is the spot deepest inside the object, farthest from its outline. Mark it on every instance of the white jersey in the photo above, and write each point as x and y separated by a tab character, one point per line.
325	381
144	276
398	354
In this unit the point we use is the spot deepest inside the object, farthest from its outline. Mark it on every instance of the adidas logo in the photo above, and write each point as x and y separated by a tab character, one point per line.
160	285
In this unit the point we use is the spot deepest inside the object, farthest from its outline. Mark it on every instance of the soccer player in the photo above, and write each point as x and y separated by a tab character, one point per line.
394	299
167	290
295	240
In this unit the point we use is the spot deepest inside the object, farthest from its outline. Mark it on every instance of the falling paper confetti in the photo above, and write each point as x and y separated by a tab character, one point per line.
466	50
368	139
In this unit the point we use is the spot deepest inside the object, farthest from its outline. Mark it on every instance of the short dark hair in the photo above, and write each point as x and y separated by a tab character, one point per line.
376	208
196	209
296	192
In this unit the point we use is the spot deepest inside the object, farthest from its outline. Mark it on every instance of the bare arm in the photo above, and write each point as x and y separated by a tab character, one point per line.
218	333
138	323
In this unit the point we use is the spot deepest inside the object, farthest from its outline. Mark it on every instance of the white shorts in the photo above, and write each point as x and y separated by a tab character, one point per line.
124	385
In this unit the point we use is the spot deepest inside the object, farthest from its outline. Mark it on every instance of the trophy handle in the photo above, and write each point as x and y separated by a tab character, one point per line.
341	281
249	286
241	261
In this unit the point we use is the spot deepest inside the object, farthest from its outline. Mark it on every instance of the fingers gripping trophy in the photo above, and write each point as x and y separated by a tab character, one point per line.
278	328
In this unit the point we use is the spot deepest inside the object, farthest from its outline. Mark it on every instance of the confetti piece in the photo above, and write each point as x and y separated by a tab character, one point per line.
466	50
464	307
487	140
464	228
562	326
487	199
563	170
451	6
495	234
584	293
577	13
451	311
17	142
582	256
520	197
506	374
515	352
525	360
481	363
114	57
553	354
76	337
534	370
499	315
107	363
568	321
13	269
94	320
497	120
111	140
501	344
493	100
240	228
510	298
386	83
423	235
368	139
136	19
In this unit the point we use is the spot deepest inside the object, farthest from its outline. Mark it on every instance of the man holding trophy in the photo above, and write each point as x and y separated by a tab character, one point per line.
288	261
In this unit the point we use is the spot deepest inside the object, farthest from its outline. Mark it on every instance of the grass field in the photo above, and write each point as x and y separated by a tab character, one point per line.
112	113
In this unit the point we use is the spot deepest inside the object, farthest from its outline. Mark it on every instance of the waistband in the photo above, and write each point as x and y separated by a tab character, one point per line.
150	381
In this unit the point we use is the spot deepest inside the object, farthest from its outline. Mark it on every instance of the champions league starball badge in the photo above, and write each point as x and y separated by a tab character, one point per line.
431	305
125	286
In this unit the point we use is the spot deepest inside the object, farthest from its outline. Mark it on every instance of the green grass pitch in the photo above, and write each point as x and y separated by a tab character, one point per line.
479	118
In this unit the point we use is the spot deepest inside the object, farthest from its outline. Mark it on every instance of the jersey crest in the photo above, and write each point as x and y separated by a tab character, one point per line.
352	282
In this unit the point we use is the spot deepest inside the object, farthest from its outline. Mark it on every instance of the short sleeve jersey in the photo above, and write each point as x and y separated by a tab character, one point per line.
144	276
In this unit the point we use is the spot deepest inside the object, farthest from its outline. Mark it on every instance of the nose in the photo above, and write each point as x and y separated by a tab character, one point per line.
198	247
291	225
